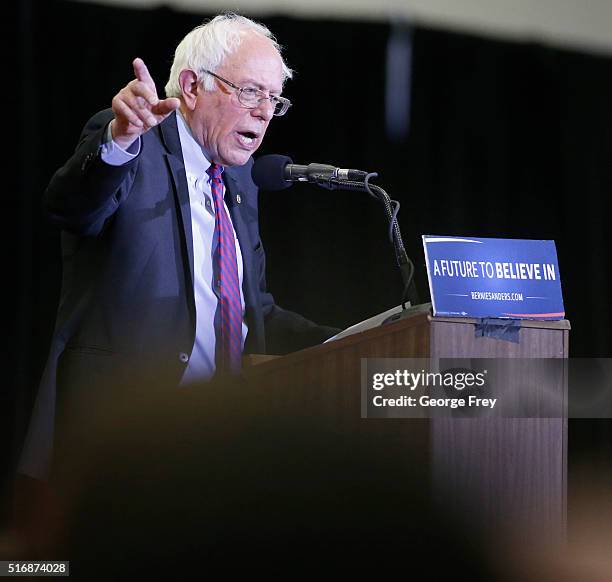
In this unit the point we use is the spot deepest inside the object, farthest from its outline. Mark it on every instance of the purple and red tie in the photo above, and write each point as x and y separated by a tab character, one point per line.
228	319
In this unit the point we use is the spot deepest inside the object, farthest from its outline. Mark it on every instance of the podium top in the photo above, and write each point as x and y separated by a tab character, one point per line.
406	336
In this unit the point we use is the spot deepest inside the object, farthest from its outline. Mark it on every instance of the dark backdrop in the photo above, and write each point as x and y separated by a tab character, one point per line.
506	140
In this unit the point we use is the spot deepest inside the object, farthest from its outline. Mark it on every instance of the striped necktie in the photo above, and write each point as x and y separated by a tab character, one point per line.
228	319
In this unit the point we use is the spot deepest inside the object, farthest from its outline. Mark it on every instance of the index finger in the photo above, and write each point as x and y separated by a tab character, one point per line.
141	72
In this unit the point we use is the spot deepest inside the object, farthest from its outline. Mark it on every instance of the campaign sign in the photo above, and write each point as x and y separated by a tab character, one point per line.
493	277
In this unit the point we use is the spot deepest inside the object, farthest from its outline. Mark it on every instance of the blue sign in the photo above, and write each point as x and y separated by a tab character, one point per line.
493	277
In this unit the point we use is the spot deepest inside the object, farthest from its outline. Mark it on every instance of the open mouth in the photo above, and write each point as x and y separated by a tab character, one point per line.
247	137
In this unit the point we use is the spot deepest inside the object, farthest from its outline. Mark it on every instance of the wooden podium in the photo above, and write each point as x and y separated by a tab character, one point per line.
277	468
496	473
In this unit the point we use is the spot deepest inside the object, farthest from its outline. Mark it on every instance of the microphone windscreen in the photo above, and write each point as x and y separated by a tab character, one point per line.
268	172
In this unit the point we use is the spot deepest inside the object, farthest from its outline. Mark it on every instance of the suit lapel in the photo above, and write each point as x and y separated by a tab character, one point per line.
176	165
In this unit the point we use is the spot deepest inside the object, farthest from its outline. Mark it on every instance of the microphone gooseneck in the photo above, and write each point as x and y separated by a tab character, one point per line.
276	172
406	266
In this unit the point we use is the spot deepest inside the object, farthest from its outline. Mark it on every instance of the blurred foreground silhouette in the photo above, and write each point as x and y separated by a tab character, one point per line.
224	479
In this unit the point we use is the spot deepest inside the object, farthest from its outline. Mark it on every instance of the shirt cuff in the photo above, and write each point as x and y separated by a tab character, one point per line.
113	154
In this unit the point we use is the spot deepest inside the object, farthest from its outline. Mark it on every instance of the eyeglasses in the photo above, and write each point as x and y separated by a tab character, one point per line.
251	97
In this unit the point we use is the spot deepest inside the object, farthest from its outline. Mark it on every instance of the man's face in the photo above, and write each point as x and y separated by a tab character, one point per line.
229	132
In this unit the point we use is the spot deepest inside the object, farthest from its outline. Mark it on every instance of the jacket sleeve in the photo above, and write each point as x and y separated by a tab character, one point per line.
85	192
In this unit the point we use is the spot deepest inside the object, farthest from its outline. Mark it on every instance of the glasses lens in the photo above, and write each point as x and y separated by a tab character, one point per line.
249	97
281	106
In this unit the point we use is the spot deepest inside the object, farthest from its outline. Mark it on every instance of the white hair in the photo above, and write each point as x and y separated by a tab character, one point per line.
208	45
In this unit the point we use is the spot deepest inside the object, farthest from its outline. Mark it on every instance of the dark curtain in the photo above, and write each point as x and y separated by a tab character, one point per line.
506	140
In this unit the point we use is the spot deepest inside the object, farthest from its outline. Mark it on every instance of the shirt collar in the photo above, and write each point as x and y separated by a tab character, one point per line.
194	157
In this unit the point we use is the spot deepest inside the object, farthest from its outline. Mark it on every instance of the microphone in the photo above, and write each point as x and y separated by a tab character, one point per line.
268	172
275	172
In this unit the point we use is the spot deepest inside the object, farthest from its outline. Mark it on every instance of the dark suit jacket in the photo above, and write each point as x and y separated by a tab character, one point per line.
127	293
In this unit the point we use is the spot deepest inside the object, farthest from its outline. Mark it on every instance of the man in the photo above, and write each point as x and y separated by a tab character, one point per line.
164	269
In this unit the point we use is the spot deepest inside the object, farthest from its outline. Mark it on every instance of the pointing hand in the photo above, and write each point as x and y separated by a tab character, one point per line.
137	107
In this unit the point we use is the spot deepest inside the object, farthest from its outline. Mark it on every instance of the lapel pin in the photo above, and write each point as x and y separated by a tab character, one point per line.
238	198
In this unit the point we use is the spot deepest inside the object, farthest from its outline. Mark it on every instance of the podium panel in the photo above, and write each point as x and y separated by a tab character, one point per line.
500	474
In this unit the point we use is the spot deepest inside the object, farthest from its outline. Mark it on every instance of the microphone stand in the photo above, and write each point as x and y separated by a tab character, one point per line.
391	208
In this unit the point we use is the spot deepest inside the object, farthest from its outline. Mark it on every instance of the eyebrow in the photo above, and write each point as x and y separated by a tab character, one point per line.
251	82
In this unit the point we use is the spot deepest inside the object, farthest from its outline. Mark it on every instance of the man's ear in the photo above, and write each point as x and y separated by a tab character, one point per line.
188	82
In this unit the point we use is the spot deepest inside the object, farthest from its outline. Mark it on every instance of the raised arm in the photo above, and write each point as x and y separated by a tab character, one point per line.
87	190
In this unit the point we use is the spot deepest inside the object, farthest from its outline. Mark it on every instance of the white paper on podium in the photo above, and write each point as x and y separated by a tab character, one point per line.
377	320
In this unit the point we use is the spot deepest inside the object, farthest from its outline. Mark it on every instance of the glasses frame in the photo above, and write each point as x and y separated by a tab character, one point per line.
275	100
